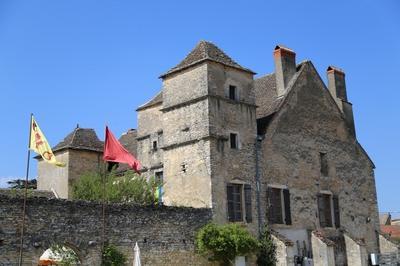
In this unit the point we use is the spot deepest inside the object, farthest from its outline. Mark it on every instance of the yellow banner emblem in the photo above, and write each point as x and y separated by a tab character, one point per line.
40	145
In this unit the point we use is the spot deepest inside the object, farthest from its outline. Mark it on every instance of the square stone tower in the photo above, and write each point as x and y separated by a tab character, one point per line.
209	130
81	151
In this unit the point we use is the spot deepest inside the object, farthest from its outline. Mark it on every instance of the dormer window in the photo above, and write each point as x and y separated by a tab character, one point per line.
233	93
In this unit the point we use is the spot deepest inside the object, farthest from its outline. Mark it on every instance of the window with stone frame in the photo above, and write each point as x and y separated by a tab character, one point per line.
233	93
328	210
279	206
239	203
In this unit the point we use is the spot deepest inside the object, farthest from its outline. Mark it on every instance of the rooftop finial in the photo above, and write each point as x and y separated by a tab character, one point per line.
77	125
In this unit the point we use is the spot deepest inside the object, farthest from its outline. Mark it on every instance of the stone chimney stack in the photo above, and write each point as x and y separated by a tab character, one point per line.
337	88
285	68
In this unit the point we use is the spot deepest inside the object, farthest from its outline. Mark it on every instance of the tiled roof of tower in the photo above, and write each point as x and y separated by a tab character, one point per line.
154	101
128	140
205	51
81	139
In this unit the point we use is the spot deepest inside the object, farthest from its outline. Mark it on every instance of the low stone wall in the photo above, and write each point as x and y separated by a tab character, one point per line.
165	234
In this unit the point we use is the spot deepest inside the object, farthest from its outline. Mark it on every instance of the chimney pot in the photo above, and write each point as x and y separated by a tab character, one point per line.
337	88
285	67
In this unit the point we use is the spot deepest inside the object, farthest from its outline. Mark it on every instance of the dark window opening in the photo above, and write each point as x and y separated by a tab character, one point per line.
183	168
325	210
234	193
279	206
233	140
232	92
155	145
324	164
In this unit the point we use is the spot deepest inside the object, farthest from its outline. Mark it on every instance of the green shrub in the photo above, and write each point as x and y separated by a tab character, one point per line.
223	243
112	256
67	255
129	187
266	255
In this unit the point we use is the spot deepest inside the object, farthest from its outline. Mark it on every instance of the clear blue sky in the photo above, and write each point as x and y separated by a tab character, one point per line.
93	62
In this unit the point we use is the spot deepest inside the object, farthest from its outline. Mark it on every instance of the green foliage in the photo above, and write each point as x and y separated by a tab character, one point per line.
67	255
266	255
129	187
113	257
20	184
223	243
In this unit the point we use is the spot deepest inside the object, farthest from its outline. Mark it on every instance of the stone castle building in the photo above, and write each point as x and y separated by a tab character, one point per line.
278	149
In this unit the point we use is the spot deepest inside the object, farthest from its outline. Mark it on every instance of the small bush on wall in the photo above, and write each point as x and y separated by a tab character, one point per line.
223	243
113	257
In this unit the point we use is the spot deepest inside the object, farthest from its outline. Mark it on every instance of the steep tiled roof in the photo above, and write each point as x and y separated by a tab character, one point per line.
266	96
205	51
80	139
393	231
128	140
154	101
267	100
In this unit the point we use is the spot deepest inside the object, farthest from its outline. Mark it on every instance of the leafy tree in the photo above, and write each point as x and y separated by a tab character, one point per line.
112	256
20	184
266	255
129	187
223	243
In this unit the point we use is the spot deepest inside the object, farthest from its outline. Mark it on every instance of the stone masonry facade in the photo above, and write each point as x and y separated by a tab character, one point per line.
280	149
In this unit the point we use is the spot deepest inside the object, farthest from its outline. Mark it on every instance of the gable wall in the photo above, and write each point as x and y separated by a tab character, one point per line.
310	123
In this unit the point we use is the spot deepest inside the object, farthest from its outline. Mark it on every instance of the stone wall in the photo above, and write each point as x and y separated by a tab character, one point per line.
54	177
149	130
387	246
83	162
165	234
356	253
323	251
308	124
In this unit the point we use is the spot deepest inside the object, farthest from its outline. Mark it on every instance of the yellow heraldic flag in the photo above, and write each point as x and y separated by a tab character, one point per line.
40	145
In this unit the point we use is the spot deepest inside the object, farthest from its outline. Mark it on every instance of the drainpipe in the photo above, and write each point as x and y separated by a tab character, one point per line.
259	139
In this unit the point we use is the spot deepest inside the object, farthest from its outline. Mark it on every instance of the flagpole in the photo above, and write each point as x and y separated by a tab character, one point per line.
103	235
25	194
104	207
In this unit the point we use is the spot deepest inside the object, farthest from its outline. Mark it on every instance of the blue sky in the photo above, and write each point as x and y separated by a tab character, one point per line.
93	62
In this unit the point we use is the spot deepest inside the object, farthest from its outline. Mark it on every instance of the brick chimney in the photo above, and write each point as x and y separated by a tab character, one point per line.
337	88
285	68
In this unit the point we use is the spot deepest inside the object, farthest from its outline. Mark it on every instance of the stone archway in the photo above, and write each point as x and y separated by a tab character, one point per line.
57	254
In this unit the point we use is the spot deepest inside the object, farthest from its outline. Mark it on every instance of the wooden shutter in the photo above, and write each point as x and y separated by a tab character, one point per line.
247	203
325	210
321	212
229	192
336	211
286	200
275	205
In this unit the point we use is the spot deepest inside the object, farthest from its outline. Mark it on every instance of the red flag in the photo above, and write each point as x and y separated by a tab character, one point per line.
115	152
